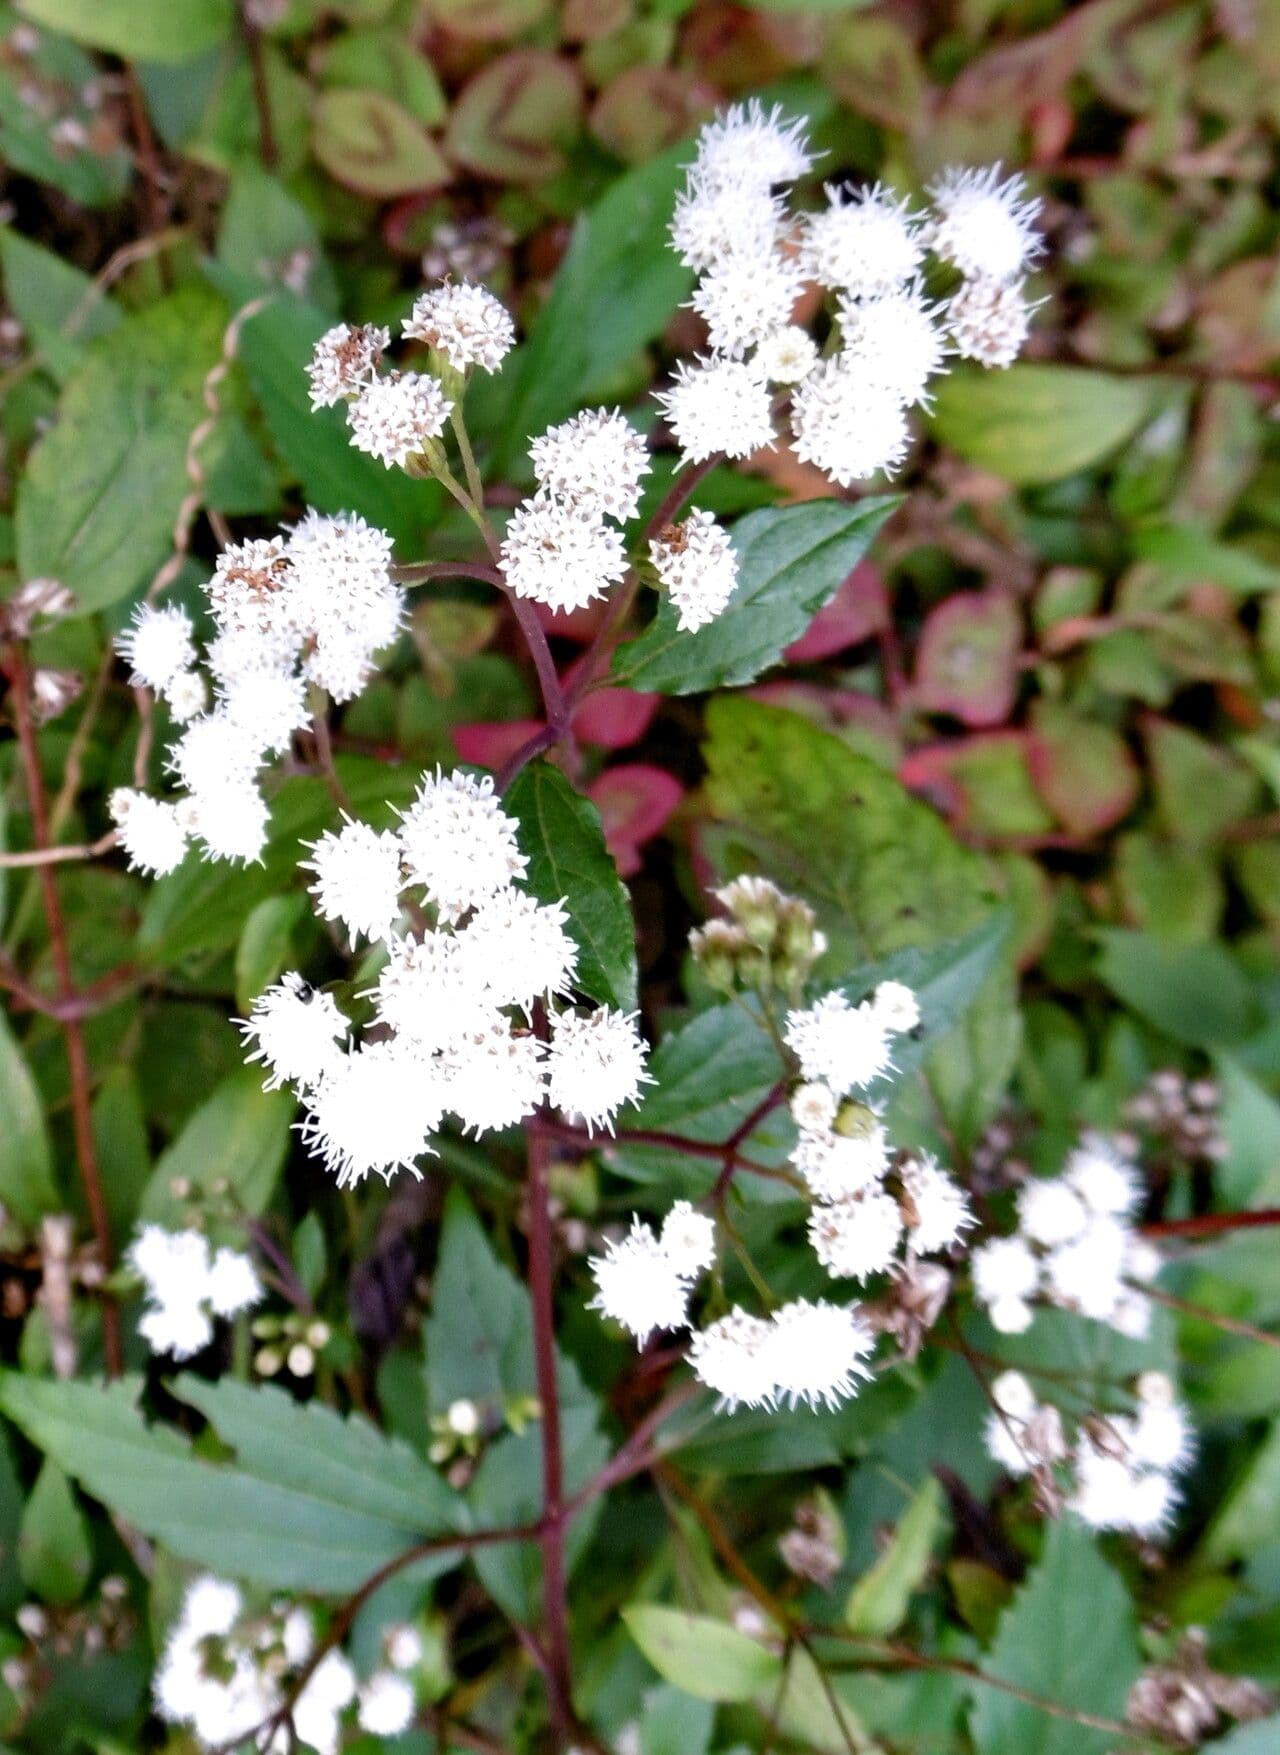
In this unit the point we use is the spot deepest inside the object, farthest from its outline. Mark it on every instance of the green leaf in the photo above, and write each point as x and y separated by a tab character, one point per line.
512	119
831	825
791	561
314	1504
1035	423
708	1659
54	1551
561	834
1068	1636
1194	993
97	505
238	1137
367	141
264	949
140	30
1189	554
879	1601
1249	1516
120	1137
27	1187
477	1339
1262	1737
56	302
615	290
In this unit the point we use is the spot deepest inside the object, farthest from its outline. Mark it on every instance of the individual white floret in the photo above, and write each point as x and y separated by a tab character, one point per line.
816	1352
1004	1436
429	993
357	878
229	817
267	707
150	831
863	242
373	1110
733	1357
185	695
211	1607
895	340
465	323
814	1107
846	423
297	1637
317	1711
1087	1274
856	1238
1104	1490
494	1078
984	225
839	1043
250	592
718	405
688	1240
1050	1212
1153	1499
748	146
232	1284
561	552
519	949
940	1206
1142	1259
1102	1176
404	1645
698	564
396	417
897	1007
595	1065
639	1286
714	221
459	843
597	460
171	1264
837	1165
181	1328
989	321
1013	1395
786	356
345	360
386	1705
214	752
745	298
157	645
1006	1276
1160	1436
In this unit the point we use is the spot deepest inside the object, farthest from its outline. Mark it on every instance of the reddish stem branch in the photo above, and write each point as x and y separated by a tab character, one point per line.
267	149
72	1032
1212	1224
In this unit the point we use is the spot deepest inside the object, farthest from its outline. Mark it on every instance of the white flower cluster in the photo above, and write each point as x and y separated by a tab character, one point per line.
1075	1246
643	1280
307	609
843	1152
446	1041
396	416
187	1285
1121	1469
849	410
226	1673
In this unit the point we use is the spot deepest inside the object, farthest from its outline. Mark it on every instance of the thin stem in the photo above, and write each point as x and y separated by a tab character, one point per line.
553	699
1212	1224
267	149
1230	1325
676	1142
555	1586
475	487
72	1032
426	571
63	855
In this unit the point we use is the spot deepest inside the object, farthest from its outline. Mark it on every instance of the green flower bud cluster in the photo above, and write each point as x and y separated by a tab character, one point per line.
769	941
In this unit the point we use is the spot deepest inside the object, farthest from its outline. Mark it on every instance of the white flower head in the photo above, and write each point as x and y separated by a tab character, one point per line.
786	356
841	1044
561	552
250	591
688	1240
1103	1177
373	1111
716	221
856	1238
1087	1274
814	1107
232	1284
733	1358
748	146
185	695
157	645
595	1064
941	1208
837	1165
519	950
816	1351
429	992
989	321
357	878
984	225
150	831
895	340
345	360
638	1285
230	819
1161	1436
295	1030
211	1607
396	417
459	843
386	1705
718	405
1006	1275
214	752
897	1007
863	242
745	298
181	1328
266	707
597	460
1050	1212
494	1077
847	423
464	323
698	564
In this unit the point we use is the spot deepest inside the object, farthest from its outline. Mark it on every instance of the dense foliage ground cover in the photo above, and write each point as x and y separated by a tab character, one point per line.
973	1102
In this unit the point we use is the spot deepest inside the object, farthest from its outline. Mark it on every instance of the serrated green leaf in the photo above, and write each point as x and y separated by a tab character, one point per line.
27	1188
879	1601
791	561
239	1137
561	835
140	30
55	301
54	1550
709	1659
1036	423
1069	1636
97	504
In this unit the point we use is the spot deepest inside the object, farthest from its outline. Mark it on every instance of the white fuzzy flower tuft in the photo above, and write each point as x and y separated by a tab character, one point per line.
715	221
718	405
295	1030
186	1286
745	298
357	879
428	991
816	1351
698	564
1103	1177
157	645
1050	1212
396	417
561	552
939	1212
896	1006
856	1238
751	147
596	1064
862	242
519	949
814	1107
985	226
639	1285
150	831
895	340
841	1044
847	423
373	1111
494	1077
345	361
989	321
688	1240
837	1165
459	843
597	460
386	1705
786	356
1006	1277
464	323
732	1357
229	818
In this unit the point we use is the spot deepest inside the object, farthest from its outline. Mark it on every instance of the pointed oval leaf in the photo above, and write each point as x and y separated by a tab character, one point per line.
709	1659
1036	423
